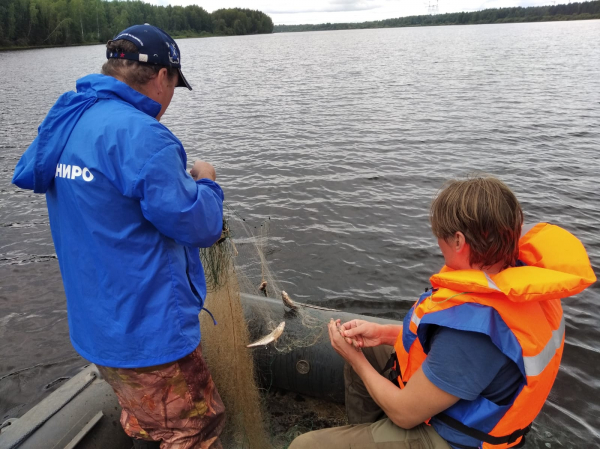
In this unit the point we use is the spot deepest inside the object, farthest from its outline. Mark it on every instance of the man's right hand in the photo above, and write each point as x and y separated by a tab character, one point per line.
366	333
202	170
369	334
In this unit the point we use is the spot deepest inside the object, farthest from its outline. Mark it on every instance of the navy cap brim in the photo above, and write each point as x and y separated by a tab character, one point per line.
182	81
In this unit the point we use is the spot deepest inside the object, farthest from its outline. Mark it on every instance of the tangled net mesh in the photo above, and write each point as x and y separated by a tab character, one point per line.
237	264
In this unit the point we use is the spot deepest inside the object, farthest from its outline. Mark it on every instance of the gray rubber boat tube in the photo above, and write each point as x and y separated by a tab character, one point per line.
316	370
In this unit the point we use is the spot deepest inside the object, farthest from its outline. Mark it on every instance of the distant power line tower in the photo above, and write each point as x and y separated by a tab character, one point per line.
432	8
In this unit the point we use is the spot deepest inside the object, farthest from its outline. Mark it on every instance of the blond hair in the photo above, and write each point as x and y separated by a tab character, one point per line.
487	212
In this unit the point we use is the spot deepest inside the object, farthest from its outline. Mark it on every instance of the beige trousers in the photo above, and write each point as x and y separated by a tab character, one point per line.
370	428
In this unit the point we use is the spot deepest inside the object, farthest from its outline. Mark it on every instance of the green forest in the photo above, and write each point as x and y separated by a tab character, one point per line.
30	23
572	11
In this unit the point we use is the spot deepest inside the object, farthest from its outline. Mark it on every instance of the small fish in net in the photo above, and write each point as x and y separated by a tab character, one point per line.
294	305
270	337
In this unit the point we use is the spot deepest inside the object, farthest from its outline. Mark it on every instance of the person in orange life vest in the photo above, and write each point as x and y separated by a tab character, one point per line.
478	353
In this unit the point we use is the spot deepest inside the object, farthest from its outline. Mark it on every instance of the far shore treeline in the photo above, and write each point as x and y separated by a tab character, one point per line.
572	11
31	23
38	23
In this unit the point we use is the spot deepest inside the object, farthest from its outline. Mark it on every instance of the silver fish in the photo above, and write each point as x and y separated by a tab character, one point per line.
287	301
294	305
269	338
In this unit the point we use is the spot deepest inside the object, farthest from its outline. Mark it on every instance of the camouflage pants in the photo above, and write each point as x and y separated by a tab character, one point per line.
175	403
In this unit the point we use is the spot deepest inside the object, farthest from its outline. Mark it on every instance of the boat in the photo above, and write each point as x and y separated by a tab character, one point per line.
84	413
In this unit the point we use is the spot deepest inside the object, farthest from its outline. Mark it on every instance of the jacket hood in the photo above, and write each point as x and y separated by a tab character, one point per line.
37	167
556	262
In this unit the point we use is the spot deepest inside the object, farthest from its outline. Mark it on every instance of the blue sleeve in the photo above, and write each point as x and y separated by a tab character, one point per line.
188	211
467	365
24	175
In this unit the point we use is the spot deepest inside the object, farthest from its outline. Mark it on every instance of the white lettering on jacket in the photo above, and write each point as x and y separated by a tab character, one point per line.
72	172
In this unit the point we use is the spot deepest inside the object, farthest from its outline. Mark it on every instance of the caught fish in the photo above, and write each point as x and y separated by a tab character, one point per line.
287	301
294	305
269	338
263	287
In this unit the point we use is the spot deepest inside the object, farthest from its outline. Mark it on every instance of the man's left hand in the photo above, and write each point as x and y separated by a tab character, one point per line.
203	169
350	353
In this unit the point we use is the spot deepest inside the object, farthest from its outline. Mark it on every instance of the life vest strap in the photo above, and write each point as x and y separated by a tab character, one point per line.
482	436
394	375
391	363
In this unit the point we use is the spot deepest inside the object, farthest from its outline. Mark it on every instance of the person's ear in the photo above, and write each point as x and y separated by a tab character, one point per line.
459	243
160	81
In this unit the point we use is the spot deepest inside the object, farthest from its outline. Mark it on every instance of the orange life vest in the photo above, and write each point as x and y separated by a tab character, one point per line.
520	309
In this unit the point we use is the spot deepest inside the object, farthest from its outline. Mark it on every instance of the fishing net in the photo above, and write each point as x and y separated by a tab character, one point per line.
238	264
231	364
256	278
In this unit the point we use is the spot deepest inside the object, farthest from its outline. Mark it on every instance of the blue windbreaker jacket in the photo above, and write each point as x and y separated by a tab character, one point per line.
126	220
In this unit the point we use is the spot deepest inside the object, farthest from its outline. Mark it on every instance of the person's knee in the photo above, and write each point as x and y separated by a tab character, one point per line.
303	441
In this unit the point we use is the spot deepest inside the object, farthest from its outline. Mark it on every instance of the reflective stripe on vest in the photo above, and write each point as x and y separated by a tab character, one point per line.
415	319
534	365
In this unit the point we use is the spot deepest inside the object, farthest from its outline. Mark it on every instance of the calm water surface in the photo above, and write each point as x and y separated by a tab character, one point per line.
341	138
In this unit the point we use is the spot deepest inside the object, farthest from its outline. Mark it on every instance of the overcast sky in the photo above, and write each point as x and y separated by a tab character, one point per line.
294	12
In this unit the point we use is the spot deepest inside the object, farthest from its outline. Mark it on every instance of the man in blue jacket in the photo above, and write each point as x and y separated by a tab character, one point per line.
127	221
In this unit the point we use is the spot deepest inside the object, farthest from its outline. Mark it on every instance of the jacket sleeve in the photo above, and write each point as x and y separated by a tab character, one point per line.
24	175
188	211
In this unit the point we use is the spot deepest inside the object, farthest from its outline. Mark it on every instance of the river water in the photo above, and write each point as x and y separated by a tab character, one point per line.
341	139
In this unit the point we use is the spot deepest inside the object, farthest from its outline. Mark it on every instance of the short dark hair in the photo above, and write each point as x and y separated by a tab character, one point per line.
487	212
134	73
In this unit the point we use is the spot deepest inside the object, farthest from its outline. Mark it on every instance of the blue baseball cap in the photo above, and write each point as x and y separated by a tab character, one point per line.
154	46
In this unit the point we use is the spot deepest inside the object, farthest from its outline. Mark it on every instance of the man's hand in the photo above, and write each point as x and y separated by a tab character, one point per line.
202	170
339	344
368	334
